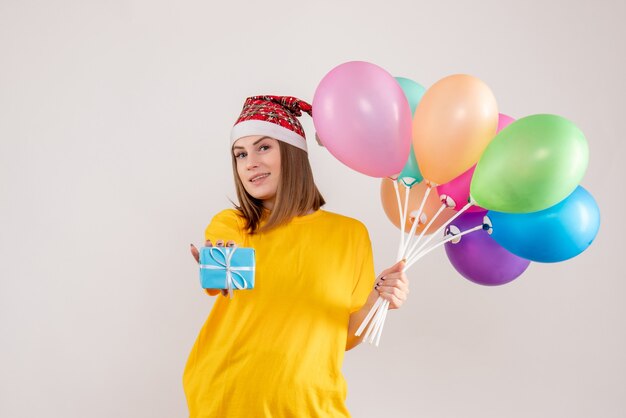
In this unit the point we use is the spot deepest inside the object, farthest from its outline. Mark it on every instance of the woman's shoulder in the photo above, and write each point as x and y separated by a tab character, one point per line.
229	213
345	222
229	216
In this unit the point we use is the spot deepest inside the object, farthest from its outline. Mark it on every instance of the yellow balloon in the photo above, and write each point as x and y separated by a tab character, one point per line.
452	125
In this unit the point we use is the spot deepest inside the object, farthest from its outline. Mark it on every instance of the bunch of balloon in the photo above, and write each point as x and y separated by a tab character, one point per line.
512	184
453	123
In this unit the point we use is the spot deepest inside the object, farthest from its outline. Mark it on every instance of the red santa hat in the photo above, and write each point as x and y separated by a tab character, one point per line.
274	116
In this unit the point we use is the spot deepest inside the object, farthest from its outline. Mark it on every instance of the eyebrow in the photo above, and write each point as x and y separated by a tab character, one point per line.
255	142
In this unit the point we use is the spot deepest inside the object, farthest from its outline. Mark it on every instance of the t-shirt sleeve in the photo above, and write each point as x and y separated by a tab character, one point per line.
365	276
227	225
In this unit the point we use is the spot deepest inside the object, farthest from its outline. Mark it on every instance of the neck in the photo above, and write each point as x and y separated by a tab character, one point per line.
269	204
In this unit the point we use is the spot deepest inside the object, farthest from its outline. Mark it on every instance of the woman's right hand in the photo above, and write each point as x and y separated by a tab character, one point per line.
220	243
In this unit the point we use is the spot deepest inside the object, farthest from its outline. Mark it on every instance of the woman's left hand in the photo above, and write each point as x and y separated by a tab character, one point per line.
393	285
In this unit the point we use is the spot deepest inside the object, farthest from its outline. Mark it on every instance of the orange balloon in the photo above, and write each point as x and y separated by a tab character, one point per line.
416	195
452	125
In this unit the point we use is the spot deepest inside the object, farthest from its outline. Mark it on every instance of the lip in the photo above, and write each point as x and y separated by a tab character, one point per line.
251	180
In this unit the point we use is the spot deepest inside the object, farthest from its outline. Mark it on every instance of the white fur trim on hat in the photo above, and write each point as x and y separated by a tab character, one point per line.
273	130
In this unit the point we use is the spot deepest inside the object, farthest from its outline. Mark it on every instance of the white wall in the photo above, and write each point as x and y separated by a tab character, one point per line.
114	118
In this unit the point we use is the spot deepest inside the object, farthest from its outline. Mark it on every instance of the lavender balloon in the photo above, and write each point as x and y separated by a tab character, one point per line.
478	257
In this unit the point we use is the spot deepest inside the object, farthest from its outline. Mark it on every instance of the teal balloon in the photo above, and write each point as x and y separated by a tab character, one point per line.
532	164
412	90
557	233
410	174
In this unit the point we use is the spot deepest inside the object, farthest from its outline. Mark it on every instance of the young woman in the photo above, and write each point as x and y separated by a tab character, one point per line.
277	350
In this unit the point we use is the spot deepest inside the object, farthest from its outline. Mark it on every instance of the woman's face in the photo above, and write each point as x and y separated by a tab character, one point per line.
258	167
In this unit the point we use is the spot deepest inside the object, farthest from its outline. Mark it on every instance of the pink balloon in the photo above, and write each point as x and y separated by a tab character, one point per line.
504	121
364	118
457	190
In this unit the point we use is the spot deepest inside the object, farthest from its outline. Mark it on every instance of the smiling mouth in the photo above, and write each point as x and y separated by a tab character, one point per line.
259	177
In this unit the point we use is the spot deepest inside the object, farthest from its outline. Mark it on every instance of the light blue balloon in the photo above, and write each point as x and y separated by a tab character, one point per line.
413	92
410	174
557	233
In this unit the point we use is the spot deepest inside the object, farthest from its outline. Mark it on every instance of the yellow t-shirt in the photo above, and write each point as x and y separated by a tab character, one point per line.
277	350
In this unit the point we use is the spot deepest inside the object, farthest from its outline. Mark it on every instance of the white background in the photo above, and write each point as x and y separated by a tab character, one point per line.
114	123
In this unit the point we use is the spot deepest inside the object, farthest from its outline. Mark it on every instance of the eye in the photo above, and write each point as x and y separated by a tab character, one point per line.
239	155
264	147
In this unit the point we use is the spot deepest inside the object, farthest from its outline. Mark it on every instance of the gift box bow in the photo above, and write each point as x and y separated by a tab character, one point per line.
234	279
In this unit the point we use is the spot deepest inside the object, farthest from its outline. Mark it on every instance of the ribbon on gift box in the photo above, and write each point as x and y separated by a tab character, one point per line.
232	273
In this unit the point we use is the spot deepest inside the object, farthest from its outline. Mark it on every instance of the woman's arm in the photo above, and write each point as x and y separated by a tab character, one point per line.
355	321
392	285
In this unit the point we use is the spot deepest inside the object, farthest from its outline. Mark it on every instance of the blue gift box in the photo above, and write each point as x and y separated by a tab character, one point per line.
229	268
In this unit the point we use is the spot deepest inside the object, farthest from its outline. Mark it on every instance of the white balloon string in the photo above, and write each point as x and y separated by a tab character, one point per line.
407	193
439	244
402	217
417	220
382	323
456	215
379	319
377	322
373	324
369	315
419	238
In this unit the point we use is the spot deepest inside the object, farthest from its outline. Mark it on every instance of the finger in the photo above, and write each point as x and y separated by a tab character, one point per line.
394	275
230	244
404	278
195	253
398	267
394	291
394	283
392	279
398	276
394	302
398	293
207	243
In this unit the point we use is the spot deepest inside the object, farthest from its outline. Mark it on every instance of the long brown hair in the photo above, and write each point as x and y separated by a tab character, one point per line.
297	193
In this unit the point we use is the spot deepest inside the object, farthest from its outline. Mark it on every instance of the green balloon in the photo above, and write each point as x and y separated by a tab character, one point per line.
410	174
532	164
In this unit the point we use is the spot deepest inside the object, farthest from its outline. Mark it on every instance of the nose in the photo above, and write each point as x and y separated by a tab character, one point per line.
251	162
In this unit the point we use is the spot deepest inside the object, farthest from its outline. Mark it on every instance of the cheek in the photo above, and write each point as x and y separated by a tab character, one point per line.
240	171
276	161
